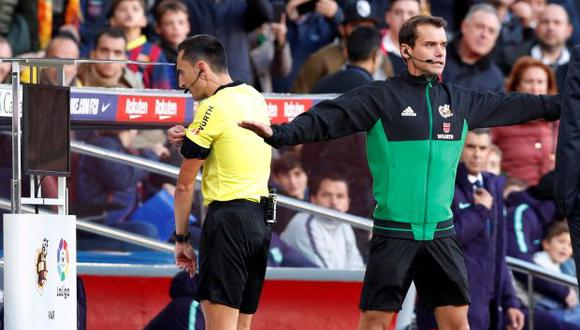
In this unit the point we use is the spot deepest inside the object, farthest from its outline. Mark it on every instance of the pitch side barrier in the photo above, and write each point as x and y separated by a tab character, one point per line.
142	108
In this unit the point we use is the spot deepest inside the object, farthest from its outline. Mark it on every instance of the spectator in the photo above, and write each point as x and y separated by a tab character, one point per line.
494	159
19	25
529	149
53	15
102	181
307	33
362	50
291	180
270	54
574	19
110	45
289	176
332	57
63	45
5	67
129	15
529	213
468	61
327	243
557	245
552	33
95	17
172	26
453	11
481	230
230	21
530	11
523	12
513	31
399	12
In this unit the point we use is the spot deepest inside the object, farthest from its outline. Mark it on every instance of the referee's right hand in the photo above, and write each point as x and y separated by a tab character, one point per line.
185	257
261	129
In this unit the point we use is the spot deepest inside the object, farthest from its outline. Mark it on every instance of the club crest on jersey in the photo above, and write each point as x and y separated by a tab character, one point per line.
445	111
446	127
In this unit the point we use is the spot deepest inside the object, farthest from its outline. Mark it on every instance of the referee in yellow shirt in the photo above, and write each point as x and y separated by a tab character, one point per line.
236	165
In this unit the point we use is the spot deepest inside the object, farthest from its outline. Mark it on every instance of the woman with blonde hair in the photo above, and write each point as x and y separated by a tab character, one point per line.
528	149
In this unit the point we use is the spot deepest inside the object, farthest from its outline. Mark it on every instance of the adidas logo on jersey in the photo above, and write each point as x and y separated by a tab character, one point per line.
408	112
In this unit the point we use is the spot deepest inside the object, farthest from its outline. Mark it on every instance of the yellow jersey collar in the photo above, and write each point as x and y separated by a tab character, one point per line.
137	42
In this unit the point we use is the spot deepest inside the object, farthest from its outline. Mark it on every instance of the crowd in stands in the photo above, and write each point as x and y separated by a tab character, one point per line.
504	203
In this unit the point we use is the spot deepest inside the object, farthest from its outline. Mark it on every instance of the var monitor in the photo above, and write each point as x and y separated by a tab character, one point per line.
45	130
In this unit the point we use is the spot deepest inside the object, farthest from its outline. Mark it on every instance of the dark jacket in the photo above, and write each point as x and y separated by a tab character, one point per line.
306	37
230	21
95	15
508	56
482	234
415	129
350	77
568	149
527	220
482	75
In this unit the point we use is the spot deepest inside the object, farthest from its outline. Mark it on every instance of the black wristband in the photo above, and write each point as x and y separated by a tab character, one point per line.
181	238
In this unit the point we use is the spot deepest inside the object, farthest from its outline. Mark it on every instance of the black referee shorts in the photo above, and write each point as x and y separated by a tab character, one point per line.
436	266
233	255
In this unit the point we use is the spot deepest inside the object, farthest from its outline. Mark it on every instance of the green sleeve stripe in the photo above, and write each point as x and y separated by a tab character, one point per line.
519	226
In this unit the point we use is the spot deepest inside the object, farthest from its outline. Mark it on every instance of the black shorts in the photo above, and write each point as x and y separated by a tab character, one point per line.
436	266
233	255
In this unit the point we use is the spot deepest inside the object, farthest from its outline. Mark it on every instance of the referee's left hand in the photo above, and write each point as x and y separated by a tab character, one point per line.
185	257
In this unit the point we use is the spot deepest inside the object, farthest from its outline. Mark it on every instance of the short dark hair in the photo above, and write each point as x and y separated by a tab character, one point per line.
169	5
556	229
408	32
317	177
113	32
207	48
362	43
287	162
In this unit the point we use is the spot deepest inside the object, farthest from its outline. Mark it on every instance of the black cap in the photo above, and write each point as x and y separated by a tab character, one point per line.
360	10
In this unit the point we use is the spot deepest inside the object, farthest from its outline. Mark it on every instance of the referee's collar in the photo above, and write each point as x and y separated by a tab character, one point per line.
232	84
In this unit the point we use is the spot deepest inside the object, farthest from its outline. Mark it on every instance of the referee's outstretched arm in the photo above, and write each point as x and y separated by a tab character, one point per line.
185	257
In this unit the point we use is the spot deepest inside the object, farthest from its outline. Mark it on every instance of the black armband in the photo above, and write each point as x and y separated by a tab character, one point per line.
190	150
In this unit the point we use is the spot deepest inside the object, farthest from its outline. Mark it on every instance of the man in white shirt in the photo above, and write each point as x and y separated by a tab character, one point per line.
325	242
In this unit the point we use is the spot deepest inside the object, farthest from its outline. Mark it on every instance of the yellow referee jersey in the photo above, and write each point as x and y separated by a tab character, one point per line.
238	163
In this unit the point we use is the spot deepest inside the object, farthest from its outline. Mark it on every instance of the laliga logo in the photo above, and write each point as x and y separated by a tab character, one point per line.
41	269
62	259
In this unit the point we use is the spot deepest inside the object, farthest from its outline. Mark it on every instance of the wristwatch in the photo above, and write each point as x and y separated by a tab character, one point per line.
181	238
